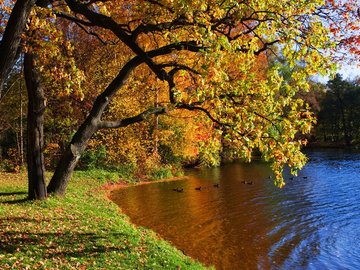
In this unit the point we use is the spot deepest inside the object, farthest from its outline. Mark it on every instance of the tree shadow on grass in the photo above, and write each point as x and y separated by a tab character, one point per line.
14	197
15	201
67	244
12	193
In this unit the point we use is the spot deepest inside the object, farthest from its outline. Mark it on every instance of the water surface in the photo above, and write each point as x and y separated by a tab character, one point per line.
312	223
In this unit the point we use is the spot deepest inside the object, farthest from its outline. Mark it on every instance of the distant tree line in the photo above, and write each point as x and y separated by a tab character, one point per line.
339	114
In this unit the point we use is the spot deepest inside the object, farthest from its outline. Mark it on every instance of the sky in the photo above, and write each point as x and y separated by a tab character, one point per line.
348	72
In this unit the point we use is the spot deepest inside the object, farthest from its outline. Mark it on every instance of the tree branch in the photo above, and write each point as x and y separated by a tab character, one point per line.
108	23
131	120
72	18
92	33
192	107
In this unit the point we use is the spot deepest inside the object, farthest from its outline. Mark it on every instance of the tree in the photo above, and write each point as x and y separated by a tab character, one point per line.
12	115
342	17
35	131
40	55
9	49
202	41
36	108
9	45
337	86
39	31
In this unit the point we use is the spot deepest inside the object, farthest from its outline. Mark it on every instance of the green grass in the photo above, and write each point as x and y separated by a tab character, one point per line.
129	174
83	230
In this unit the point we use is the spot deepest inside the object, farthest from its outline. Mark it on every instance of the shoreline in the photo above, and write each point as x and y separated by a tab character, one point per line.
109	187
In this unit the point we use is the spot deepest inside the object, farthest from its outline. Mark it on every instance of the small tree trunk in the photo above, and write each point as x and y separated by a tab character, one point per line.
35	131
156	126
21	125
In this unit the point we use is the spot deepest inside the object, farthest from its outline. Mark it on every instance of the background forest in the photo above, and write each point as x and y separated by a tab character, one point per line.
157	148
161	147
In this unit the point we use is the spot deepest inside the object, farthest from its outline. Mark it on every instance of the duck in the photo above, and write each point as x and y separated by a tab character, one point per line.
291	178
247	182
178	189
305	177
216	185
199	188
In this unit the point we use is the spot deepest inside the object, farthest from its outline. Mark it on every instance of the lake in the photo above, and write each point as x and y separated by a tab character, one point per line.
311	223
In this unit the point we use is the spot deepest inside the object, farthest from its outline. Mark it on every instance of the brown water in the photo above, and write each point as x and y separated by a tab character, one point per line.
312	223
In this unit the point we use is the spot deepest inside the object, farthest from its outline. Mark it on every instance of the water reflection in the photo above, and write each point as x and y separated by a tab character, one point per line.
312	223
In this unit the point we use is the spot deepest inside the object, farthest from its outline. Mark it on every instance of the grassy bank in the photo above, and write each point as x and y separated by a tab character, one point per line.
84	230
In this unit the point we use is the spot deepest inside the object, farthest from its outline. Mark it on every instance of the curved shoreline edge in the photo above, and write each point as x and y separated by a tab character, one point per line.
83	230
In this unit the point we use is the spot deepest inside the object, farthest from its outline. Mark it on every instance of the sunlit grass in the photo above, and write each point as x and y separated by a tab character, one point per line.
84	230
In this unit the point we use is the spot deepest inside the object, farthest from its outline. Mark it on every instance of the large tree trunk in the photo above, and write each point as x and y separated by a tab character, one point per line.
35	131
70	158
11	39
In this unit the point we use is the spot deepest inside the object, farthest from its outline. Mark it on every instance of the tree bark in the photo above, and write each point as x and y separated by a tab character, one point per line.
66	165
35	131
11	39
21	121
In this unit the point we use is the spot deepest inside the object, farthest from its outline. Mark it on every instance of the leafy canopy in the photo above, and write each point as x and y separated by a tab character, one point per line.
206	56
215	69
